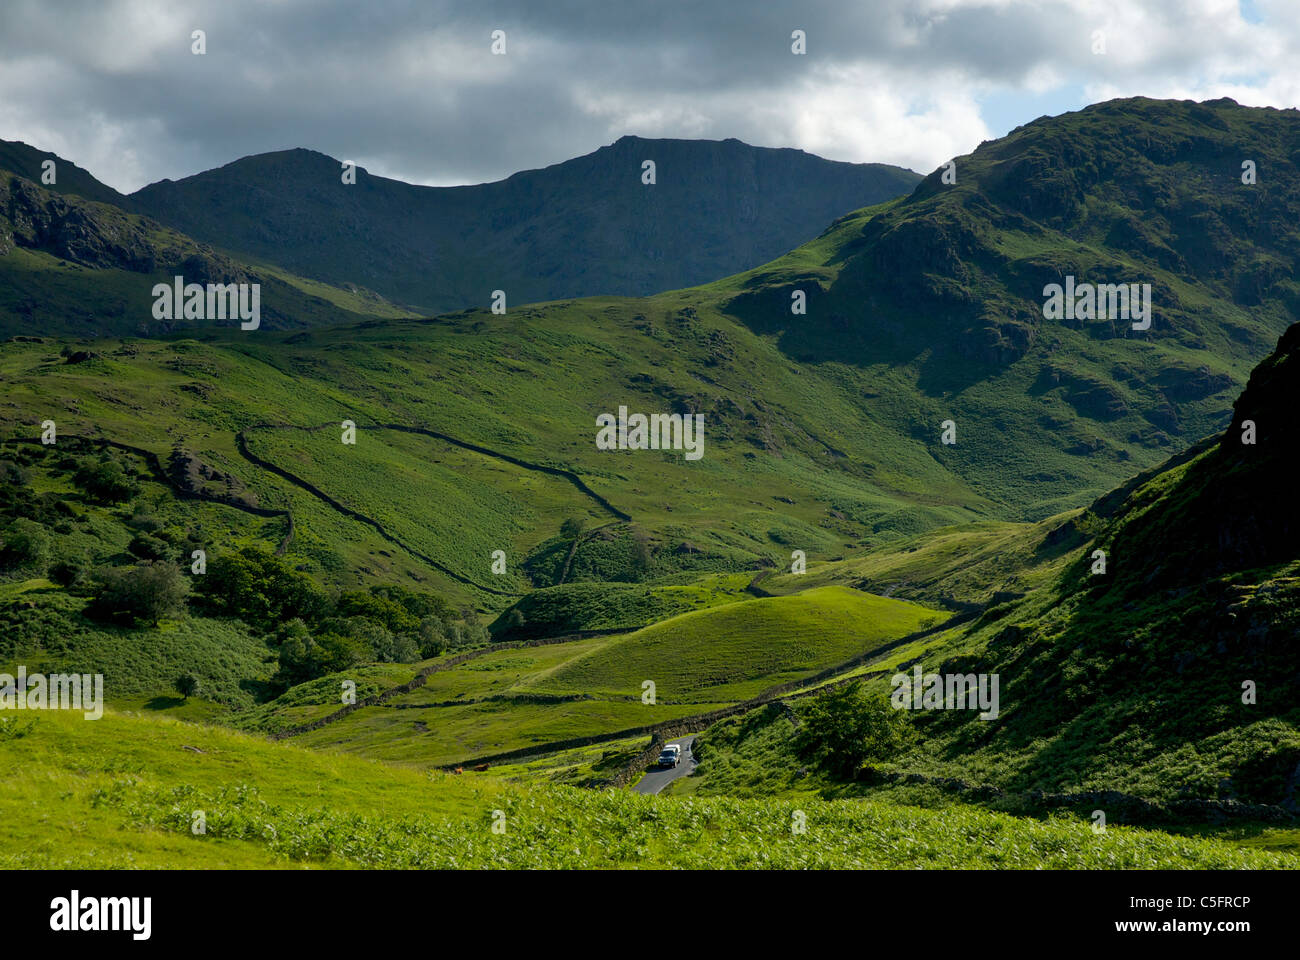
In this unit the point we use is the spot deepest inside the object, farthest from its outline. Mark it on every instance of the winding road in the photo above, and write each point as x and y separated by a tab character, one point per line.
655	779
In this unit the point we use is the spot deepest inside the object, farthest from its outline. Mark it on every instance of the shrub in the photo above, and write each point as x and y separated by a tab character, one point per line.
70	572
106	482
187	685
145	547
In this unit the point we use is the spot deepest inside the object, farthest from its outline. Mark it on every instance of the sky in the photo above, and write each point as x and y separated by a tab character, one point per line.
411	89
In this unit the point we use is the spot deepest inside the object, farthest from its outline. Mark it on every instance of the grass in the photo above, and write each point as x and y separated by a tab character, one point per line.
962	566
122	792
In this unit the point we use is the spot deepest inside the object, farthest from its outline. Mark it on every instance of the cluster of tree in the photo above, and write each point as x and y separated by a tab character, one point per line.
844	728
150	590
315	633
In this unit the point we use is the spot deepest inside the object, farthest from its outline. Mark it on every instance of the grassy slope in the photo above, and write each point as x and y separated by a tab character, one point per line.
121	792
957	566
41	623
735	652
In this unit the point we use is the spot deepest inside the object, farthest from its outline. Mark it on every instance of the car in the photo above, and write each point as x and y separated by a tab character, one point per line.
670	756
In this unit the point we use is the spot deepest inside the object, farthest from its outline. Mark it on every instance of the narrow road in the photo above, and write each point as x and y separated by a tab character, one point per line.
655	779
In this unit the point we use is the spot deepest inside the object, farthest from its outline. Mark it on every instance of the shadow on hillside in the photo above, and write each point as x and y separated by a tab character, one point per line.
164	703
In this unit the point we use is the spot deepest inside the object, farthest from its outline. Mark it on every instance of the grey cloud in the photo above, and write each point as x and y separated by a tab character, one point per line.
353	79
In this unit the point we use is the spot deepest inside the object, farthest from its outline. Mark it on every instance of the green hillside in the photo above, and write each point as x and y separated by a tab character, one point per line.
131	786
1170	676
736	651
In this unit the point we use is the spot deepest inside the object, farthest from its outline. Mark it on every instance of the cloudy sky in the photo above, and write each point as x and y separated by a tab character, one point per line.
412	89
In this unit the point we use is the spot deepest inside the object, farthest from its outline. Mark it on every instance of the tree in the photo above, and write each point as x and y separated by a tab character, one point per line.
380	609
304	657
187	685
149	591
572	528
843	728
261	589
432	637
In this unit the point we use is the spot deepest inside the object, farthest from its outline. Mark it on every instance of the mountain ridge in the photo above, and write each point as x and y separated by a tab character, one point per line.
584	226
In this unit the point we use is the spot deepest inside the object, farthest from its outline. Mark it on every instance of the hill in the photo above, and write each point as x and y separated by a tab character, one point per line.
585	227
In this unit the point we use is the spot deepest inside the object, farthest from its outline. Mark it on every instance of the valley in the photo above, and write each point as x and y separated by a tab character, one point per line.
420	558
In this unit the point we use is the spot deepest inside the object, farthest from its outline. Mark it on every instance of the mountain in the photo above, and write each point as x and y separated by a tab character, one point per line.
74	260
1173	672
69	179
946	289
588	226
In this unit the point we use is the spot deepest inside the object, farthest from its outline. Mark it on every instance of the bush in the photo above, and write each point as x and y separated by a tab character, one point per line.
145	547
26	547
71	572
148	591
106	482
187	685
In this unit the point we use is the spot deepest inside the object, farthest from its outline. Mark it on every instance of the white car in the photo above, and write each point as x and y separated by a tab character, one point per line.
670	756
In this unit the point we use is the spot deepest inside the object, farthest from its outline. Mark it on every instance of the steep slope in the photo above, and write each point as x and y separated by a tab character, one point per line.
1160	687
76	266
947	289
69	179
584	227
